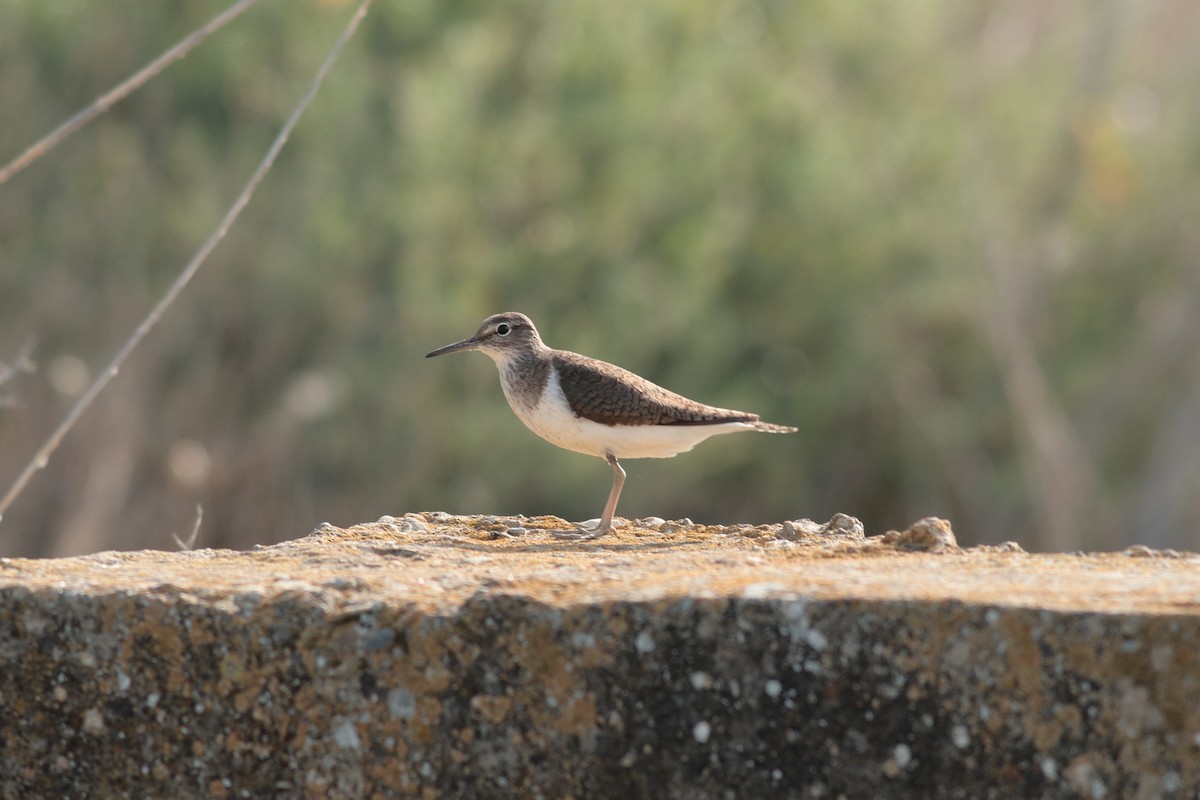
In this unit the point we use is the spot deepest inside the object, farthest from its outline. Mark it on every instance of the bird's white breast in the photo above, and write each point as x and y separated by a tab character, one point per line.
553	420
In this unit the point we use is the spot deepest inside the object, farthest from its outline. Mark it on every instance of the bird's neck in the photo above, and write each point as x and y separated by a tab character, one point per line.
524	374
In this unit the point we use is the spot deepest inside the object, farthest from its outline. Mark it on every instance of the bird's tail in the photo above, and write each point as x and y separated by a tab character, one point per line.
770	427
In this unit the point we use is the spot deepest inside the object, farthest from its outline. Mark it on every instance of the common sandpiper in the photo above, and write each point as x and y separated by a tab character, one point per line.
593	407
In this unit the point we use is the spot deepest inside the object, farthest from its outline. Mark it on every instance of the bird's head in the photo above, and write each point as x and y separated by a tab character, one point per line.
501	336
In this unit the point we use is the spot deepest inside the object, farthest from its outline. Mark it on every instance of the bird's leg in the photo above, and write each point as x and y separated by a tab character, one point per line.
610	508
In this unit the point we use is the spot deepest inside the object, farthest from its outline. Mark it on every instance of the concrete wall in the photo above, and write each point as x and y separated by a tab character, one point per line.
423	657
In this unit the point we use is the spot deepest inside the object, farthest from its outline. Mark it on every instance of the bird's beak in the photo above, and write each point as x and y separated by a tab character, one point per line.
465	344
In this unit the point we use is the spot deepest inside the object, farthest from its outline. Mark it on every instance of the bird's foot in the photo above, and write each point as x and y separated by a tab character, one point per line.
585	532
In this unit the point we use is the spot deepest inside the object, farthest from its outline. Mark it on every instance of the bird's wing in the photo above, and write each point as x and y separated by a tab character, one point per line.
610	395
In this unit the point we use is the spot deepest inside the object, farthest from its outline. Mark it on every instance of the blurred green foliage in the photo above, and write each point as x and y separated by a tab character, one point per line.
954	242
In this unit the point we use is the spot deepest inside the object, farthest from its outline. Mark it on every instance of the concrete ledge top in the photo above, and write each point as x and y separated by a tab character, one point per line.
436	561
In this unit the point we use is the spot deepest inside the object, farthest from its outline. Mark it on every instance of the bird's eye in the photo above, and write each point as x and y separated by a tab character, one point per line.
503	329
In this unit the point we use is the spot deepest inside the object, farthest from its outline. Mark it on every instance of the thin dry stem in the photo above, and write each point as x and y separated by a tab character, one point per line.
22	363
42	456
190	542
122	90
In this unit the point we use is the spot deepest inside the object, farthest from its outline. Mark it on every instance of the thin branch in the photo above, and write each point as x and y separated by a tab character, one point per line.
122	90
190	542
42	456
22	363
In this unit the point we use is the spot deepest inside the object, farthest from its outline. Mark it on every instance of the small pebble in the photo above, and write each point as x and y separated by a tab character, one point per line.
844	524
93	722
930	534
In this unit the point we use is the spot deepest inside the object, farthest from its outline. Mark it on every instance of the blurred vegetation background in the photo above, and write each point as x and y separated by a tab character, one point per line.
956	243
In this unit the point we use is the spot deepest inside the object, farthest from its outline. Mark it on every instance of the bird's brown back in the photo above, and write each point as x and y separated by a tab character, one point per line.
607	394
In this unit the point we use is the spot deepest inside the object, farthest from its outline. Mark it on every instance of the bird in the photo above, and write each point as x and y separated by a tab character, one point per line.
593	407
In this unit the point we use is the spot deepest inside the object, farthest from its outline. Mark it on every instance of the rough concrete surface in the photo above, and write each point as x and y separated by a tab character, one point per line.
451	657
